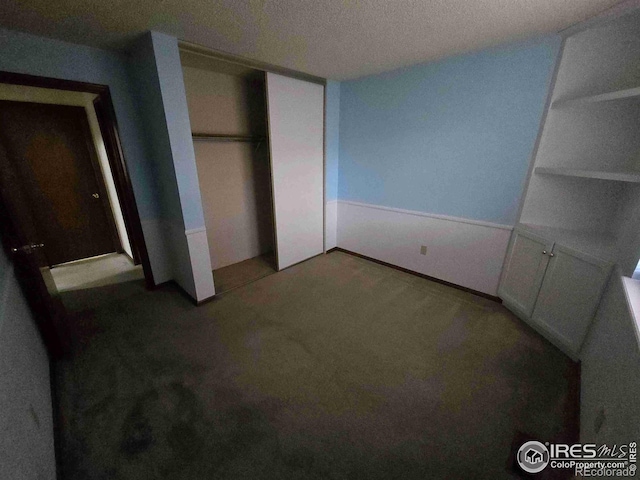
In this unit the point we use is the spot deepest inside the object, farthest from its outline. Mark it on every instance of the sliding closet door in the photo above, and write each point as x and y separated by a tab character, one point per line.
296	127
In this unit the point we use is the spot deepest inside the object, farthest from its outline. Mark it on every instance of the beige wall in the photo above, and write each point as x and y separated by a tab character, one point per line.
234	177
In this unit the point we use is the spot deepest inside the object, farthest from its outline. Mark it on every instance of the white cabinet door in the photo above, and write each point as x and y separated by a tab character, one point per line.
523	271
569	296
296	136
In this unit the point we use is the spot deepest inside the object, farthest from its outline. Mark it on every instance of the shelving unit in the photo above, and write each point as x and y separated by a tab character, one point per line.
629	93
584	189
630	177
581	209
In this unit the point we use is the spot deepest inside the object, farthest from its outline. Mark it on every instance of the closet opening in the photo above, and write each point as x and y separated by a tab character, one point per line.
228	115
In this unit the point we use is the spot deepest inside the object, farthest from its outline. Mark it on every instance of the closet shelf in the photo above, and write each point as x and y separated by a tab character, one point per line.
630	177
602	97
216	137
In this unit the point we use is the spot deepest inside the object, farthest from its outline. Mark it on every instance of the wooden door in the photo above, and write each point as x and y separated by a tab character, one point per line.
524	270
22	243
569	296
52	152
296	137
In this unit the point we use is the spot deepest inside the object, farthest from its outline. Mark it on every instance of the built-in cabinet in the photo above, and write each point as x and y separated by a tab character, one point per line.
555	288
581	208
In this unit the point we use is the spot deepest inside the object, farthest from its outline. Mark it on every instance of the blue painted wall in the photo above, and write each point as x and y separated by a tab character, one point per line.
452	137
176	114
144	74
24	53
333	138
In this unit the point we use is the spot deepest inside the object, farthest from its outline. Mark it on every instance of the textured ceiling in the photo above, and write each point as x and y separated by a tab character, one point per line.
336	39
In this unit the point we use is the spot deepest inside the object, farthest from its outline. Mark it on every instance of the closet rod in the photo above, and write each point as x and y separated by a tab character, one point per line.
226	138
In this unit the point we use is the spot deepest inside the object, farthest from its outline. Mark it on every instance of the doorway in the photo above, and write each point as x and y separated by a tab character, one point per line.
77	223
227	113
52	151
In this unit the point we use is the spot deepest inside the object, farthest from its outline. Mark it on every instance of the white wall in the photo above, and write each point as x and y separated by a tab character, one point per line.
20	93
610	379
26	422
234	177
331	224
460	251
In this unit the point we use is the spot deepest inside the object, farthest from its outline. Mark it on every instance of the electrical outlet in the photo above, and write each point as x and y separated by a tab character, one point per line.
423	250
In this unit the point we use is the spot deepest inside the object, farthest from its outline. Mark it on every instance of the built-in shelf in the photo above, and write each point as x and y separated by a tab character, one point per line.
630	177
599	244
216	137
602	97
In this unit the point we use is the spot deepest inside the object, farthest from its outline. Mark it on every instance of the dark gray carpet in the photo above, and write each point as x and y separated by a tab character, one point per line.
337	368
239	274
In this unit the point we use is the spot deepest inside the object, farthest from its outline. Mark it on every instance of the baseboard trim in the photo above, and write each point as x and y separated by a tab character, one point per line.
418	213
199	303
184	293
417	274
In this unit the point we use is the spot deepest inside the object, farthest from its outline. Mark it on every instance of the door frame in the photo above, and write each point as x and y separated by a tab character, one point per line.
106	114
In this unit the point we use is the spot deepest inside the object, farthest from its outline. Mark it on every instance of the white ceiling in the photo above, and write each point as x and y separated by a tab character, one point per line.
337	39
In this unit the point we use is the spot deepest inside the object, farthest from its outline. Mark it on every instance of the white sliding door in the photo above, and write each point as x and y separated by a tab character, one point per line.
296	135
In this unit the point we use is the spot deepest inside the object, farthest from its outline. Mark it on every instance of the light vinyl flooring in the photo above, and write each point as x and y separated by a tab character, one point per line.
336	368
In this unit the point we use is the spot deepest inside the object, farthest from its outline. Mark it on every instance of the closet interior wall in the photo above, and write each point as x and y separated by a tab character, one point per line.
227	100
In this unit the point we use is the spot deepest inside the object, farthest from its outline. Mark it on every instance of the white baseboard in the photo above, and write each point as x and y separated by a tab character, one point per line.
331	224
461	251
200	263
183	256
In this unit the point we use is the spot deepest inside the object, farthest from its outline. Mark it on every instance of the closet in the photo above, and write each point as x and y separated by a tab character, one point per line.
581	209
258	139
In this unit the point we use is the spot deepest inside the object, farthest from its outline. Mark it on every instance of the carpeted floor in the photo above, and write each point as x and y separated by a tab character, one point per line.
239	274
337	368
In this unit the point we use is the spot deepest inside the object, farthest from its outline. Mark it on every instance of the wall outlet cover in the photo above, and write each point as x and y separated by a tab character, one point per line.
423	250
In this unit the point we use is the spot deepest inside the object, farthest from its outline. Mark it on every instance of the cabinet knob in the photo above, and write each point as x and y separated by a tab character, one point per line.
551	255
544	252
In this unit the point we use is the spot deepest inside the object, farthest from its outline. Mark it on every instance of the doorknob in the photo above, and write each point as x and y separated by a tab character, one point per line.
27	248
96	195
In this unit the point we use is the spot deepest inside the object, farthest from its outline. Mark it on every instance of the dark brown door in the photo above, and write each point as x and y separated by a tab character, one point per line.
22	244
52	153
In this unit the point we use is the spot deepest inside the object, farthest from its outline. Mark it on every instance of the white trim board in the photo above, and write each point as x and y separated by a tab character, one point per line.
331	224
464	252
180	255
429	215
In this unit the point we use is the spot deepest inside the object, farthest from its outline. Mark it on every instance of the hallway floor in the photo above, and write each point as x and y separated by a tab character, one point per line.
336	368
95	272
76	281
